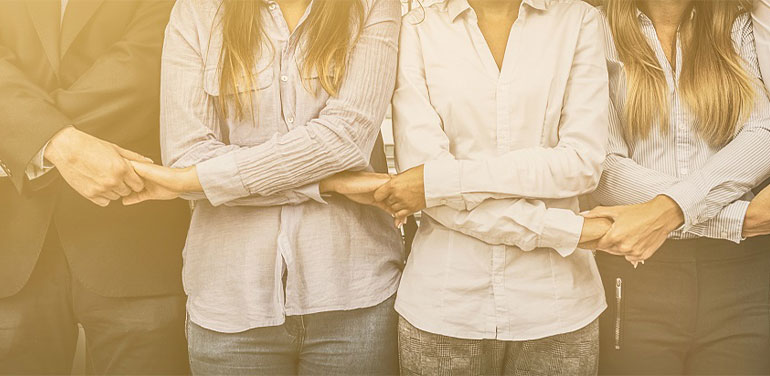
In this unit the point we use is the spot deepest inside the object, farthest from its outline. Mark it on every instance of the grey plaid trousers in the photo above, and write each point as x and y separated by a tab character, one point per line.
423	353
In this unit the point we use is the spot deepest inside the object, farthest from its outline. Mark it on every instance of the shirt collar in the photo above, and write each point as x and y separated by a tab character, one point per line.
457	7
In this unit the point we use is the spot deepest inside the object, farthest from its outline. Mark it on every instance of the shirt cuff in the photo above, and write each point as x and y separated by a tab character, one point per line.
38	166
727	225
221	180
561	231
441	179
312	191
690	200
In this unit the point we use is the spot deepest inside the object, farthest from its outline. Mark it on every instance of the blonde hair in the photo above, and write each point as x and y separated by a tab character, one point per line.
713	82
327	36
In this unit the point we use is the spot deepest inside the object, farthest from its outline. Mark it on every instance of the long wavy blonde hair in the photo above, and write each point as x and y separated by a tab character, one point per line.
327	36
713	81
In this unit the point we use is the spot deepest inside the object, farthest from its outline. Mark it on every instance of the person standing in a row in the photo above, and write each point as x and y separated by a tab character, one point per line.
262	103
500	122
76	78
689	139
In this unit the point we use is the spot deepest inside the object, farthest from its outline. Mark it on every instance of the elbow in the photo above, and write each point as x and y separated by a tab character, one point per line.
590	172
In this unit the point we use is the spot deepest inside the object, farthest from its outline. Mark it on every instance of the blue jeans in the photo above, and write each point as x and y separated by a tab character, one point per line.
358	342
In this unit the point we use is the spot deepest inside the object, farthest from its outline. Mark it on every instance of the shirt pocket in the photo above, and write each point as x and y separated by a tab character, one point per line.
257	123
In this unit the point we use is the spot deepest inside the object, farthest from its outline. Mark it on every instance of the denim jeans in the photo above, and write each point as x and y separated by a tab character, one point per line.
358	342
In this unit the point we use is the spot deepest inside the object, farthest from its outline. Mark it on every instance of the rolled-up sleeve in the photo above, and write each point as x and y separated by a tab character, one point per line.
341	137
190	130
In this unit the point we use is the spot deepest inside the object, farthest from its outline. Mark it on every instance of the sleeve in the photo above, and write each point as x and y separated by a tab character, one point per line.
38	166
30	117
190	129
571	168
341	137
740	165
761	18
419	138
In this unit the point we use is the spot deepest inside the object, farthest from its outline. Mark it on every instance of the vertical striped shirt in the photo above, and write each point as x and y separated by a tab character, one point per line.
710	185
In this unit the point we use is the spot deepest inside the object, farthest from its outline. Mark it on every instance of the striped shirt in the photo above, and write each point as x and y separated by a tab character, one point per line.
262	243
711	185
761	17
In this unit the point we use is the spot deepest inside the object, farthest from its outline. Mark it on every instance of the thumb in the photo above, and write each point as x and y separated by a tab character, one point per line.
147	171
382	192
602	212
132	156
134	198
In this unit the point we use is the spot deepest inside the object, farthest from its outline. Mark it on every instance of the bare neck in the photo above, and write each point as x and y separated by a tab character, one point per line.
666	16
665	13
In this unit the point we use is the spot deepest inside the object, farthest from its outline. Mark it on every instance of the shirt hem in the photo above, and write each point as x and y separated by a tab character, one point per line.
462	334
281	320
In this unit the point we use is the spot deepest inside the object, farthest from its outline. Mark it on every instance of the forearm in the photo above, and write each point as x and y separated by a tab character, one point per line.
727	225
526	224
624	182
29	120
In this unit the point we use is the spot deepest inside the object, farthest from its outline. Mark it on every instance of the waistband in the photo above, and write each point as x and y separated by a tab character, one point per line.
689	250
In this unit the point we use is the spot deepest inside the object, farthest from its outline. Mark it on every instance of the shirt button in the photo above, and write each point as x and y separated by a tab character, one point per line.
284	78
272	6
290	119
724	234
684	171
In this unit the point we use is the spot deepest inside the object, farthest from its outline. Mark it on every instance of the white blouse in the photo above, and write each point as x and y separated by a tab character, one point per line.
506	154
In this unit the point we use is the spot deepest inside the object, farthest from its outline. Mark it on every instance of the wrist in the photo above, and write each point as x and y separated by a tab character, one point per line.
325	185
669	212
60	146
190	181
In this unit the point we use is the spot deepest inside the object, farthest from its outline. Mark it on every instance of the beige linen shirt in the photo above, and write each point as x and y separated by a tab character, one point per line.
506	154
261	219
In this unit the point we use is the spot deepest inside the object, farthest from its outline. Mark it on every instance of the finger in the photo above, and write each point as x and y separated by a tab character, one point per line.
131	156
403	213
122	189
602	212
132	179
110	195
383	192
134	198
385	208
398	206
101	201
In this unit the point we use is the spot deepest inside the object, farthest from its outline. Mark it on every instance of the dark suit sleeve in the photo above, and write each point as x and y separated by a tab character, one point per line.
29	117
122	85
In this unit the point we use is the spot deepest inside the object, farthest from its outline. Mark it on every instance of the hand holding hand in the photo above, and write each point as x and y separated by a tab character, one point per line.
163	183
593	230
96	169
404	194
638	230
757	221
357	186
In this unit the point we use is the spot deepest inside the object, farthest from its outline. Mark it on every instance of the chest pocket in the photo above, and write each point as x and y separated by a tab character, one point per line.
261	79
257	125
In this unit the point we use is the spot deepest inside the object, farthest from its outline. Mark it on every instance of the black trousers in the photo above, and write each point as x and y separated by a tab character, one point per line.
695	307
135	335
